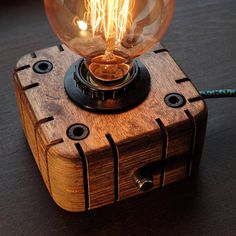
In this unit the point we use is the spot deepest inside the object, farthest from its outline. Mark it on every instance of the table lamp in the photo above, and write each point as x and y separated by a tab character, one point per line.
108	117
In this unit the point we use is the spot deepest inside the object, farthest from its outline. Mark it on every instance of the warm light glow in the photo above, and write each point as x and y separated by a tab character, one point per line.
109	34
82	25
110	17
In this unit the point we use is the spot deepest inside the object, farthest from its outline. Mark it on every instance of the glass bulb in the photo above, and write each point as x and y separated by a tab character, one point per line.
109	34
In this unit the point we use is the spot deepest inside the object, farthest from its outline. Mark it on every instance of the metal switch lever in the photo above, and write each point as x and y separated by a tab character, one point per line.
145	184
144	180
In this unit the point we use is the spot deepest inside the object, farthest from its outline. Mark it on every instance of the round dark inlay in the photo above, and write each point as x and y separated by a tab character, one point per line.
78	132
42	67
175	100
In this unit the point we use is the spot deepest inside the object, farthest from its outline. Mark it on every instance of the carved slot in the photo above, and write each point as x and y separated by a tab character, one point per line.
40	122
196	99
45	120
31	86
193	123
160	51
115	153
164	150
22	68
85	174
179	81
53	143
60	48
33	55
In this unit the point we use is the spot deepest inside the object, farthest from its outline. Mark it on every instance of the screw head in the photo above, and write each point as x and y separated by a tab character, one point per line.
42	67
175	100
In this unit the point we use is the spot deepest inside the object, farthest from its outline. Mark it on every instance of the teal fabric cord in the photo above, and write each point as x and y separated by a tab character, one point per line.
220	93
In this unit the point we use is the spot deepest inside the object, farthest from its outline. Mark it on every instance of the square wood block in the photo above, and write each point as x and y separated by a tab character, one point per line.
99	170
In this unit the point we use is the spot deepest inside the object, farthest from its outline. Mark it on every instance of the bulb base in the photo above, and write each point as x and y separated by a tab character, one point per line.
107	97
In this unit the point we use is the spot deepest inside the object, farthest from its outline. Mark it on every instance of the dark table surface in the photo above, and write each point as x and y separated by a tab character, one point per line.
202	39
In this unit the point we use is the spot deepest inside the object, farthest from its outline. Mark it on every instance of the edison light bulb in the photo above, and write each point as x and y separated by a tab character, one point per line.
109	34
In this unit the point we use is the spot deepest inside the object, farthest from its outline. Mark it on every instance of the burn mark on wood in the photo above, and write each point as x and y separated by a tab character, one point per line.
164	150
115	153
160	50
31	86
33	55
22	68
183	80
60	48
196	99
85	174
192	151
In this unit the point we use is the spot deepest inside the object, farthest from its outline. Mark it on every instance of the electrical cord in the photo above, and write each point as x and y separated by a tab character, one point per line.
218	93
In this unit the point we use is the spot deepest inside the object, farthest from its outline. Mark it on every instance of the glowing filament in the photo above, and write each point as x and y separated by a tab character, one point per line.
110	17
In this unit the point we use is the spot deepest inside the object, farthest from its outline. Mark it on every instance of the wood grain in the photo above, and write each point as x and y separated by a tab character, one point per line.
99	170
200	39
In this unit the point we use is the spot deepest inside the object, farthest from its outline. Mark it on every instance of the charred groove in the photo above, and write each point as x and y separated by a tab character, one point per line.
40	122
164	150
31	86
183	80
60	48
22	68
33	55
53	143
45	120
193	124
160	51
196	99
115	155
85	174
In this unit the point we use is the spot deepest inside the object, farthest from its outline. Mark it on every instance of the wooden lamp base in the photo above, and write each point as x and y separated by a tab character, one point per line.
89	160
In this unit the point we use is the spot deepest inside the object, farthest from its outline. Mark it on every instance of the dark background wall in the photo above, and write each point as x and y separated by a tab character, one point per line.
202	40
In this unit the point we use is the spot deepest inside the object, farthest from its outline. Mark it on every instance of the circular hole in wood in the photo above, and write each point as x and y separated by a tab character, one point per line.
42	67
78	132
175	100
